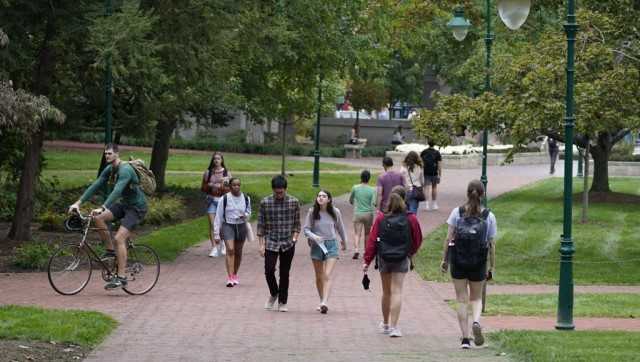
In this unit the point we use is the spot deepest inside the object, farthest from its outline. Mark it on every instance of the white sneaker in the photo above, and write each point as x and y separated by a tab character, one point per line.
395	332
282	308
214	252
384	328
223	249
434	205
270	303
427	205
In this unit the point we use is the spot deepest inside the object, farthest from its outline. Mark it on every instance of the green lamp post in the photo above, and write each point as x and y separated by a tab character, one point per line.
316	151
513	14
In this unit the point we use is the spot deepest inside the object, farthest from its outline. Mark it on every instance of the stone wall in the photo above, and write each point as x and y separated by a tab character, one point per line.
377	132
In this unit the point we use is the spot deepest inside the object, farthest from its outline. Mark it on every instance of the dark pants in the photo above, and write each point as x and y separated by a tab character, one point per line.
553	156
270	260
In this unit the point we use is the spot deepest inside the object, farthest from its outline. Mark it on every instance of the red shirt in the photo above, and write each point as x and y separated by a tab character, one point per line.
371	245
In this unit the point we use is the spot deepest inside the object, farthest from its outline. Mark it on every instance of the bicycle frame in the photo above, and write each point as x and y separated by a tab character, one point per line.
83	243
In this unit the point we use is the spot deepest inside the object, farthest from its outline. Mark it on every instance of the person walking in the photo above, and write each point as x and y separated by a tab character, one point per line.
469	245
414	180
553	148
432	163
230	226
215	183
363	199
277	230
322	223
386	182
394	240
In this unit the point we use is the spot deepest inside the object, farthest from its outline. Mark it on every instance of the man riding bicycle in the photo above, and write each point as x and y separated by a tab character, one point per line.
123	183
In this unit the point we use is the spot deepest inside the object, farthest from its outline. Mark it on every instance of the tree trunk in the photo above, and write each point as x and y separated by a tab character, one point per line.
356	125
21	223
585	180
600	169
160	152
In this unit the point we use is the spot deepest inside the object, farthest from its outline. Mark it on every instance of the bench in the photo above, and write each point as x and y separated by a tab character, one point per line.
356	149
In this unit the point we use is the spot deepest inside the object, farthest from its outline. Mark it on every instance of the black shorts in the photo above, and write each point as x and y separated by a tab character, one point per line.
236	232
129	216
474	275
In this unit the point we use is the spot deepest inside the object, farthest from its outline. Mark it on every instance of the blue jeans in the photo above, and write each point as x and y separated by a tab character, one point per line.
412	204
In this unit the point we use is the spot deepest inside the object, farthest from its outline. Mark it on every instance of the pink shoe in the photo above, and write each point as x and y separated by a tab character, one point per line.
234	279
230	282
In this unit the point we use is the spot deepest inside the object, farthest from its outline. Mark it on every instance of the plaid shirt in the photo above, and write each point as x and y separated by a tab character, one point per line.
278	220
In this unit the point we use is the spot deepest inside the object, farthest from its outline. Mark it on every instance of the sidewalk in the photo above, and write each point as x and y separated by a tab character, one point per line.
192	316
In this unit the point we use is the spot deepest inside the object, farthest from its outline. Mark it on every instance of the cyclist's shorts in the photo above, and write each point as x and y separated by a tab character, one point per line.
129	216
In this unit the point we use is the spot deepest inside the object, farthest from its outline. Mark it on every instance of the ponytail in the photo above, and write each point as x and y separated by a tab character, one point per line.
475	192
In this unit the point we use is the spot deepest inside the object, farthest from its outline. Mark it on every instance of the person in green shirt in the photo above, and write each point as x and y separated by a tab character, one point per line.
124	185
363	199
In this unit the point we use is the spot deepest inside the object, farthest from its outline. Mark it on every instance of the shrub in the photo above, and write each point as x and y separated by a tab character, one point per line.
51	220
163	209
33	255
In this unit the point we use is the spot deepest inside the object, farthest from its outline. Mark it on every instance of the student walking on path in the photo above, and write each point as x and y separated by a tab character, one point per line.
554	150
414	180
386	182
470	243
432	163
215	183
395	238
230	226
278	230
322	223
363	199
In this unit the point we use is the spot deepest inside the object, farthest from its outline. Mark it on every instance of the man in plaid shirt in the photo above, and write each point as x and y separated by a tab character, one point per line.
278	229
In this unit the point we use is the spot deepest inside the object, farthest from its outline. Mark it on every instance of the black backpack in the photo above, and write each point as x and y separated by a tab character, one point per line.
224	205
429	162
394	238
471	245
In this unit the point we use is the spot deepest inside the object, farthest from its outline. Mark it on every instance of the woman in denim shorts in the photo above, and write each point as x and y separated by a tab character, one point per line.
214	185
322	223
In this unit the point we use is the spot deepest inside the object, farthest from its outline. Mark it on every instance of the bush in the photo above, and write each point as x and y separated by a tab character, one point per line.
51	220
163	209
33	255
623	152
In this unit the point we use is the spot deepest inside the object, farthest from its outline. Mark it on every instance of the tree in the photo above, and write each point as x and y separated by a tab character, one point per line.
367	95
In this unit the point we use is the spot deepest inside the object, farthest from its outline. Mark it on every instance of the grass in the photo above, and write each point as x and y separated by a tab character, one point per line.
568	346
30	323
90	160
529	229
616	305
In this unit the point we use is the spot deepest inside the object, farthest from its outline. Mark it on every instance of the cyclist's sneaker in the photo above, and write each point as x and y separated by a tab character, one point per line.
108	254
466	344
116	282
478	338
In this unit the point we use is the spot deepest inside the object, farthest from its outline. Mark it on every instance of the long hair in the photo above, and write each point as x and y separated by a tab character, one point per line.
212	163
411	160
396	204
316	207
475	191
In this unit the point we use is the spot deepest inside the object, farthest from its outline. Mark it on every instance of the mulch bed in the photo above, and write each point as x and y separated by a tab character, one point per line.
17	350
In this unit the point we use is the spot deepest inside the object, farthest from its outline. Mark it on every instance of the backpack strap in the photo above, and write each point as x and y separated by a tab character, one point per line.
224	208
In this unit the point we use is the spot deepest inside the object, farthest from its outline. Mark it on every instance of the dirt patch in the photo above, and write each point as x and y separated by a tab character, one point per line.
609	198
17	350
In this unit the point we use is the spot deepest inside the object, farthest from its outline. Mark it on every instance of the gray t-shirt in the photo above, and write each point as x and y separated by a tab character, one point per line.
492	227
325	228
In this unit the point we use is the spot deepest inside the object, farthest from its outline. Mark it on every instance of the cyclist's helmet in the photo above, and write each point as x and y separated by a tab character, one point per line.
74	223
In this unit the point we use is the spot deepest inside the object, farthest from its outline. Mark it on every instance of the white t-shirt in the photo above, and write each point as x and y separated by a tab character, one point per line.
492	227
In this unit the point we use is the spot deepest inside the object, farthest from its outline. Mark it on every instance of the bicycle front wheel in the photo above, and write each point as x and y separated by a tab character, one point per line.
143	269
69	269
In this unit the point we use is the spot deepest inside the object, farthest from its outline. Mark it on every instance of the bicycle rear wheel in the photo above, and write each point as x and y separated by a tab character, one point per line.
69	269
143	269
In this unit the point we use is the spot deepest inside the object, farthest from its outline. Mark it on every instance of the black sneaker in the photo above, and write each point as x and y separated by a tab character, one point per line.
108	254
116	282
466	344
478	338
356	255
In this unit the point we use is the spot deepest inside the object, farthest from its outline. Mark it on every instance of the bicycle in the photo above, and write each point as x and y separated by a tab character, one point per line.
71	265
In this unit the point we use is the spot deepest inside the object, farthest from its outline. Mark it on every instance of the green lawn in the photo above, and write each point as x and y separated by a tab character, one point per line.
89	160
616	305
568	346
30	323
529	228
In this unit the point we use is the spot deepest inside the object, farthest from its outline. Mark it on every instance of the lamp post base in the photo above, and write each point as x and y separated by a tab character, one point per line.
565	326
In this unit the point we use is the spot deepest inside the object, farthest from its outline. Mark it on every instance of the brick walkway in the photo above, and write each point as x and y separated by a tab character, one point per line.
192	316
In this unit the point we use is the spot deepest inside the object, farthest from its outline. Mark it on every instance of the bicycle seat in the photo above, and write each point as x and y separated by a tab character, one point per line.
74	223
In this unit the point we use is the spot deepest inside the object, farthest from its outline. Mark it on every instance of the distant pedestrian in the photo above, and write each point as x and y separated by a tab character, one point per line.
414	180
363	199
278	230
230	226
386	182
395	238
552	145
397	138
215	183
469	250
432	163
322	225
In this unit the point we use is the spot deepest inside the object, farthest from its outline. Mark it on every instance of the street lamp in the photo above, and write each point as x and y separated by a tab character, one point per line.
513	13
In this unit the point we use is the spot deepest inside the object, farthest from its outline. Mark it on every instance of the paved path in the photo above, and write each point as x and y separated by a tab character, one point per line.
192	316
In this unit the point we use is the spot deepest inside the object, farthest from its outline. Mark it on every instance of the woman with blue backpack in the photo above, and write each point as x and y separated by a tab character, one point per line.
394	239
469	253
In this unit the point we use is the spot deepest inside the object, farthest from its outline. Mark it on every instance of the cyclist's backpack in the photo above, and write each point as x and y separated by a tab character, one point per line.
471	246
394	238
429	162
147	180
224	205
